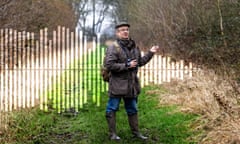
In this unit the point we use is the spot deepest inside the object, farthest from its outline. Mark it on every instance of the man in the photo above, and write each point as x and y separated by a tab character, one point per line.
123	63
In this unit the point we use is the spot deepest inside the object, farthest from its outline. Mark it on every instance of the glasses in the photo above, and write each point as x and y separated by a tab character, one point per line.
122	30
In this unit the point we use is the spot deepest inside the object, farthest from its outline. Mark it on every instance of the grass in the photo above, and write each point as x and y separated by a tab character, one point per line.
64	123
163	125
80	80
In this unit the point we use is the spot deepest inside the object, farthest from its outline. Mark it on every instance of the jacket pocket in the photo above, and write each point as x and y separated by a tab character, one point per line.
119	86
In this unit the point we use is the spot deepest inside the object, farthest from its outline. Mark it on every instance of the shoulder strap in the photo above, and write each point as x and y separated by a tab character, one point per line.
117	46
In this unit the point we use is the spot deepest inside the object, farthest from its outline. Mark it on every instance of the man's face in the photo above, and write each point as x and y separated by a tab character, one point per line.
122	32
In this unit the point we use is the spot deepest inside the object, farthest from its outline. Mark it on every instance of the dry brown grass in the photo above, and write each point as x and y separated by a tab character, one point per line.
214	99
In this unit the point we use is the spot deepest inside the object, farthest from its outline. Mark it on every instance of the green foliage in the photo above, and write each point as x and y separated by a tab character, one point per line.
161	124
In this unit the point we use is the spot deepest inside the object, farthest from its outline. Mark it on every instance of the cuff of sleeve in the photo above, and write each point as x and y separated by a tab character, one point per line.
127	64
151	53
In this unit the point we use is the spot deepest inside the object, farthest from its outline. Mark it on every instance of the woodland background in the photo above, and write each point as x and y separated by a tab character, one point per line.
204	32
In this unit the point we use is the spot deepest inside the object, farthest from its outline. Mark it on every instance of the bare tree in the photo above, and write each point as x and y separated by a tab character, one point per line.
32	15
97	10
82	10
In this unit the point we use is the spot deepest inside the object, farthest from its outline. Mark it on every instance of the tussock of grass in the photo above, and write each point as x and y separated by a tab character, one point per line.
162	124
212	97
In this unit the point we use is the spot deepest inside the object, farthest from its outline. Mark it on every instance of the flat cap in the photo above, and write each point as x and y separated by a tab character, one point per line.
122	23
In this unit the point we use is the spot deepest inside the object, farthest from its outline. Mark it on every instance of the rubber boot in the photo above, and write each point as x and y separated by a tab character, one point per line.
111	120
133	123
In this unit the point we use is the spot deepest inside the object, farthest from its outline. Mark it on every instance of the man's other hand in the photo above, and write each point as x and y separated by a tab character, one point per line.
154	49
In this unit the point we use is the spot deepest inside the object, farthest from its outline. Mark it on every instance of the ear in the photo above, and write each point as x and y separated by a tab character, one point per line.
116	32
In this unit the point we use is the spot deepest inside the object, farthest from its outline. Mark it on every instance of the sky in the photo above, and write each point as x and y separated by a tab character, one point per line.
107	26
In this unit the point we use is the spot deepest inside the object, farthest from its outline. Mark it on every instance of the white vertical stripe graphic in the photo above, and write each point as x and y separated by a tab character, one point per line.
40	65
